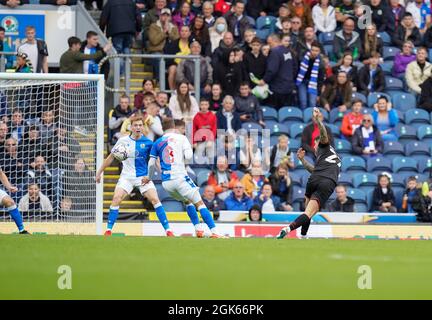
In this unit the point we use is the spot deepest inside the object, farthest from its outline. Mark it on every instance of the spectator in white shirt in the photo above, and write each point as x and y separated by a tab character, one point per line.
36	50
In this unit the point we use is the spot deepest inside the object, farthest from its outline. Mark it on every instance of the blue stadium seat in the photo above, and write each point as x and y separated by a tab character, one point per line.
358	195
398	192
251	125
342	146
252	22
406	133
404	164
271	123
425	166
278	129
266	23
417	148
296	130
424	133
387	67
400	115
202	177
353	164
417	117
296	178
392	83
290	114
403	101
335	116
326	38
393	148
360	96
379	164
307	114
298	197
305	178
369	197
263	34
269	113
373	98
390	52
385	38
398	180
163	195
173	206
367	110
274	140
346	179
364	180
334	129
294	145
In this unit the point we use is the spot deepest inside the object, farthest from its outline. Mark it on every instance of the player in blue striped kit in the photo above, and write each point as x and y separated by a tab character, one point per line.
134	168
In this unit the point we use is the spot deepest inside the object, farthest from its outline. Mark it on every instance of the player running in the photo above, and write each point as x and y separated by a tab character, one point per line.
172	148
323	179
9	203
134	168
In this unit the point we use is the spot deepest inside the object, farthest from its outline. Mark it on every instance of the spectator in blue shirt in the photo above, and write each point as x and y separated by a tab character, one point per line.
4	46
385	119
238	200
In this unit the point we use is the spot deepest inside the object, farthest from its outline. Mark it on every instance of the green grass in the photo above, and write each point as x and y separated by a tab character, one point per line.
189	268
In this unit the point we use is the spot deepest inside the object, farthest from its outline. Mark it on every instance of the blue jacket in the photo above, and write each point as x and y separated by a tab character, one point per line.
281	70
393	119
231	203
222	121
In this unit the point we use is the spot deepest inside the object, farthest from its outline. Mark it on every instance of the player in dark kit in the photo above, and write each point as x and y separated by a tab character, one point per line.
323	179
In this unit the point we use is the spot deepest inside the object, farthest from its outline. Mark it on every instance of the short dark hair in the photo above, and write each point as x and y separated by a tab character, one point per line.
315	44
2	29
91	34
204	99
179	123
148	94
357	101
383	97
73	40
341	186
412	178
244	83
145	80
167	124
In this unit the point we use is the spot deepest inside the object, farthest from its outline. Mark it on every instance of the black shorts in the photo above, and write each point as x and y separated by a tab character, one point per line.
320	189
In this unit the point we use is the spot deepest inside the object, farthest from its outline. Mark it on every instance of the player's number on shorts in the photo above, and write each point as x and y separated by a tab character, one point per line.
191	183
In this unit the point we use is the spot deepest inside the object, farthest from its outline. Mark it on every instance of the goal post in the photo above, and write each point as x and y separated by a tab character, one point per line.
57	123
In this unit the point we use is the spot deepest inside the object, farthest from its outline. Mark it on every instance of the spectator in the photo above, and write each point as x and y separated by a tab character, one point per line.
120	21
324	17
227	118
217	33
425	101
4	135
222	179
407	31
47	127
90	46
151	17
402	59
40	174
212	201
216	97
310	132
352	120
427	38
186	71
344	11
17	126
72	61
418	71
23	63
13	165
183	105
281	186
385	119
347	40
311	76
255	213
337	95
254	61
397	11
184	16
248	106
237	21
284	15
267	201
249	35
383	199
204	131
371	44
281	154
346	65
66	205
36	50
207	9
280	74
256	8
285	29
254	179
366	140
265	49
238	200
196	7
200	33
4	47
299	9
421	14
35	200
162	101
147	87
249	154
342	203
371	77
381	16
412	198
296	29
14	3
63	146
32	145
304	43
229	73
177	47
227	44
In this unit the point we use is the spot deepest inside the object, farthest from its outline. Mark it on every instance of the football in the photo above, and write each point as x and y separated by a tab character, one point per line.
120	152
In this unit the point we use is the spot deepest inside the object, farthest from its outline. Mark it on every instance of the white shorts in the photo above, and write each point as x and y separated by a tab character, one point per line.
182	189
3	194
127	184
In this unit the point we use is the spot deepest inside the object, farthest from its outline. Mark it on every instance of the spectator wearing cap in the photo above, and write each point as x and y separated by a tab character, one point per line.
23	64
184	16
347	40
254	61
299	9
36	50
73	59
407	31
237	21
151	17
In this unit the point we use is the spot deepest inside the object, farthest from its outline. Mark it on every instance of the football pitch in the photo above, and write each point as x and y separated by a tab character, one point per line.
190	268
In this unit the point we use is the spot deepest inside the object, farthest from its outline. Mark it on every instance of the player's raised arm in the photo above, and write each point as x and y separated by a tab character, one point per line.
107	162
324	139
300	155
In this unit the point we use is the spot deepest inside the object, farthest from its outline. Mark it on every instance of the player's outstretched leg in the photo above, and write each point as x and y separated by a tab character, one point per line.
208	219
152	196
193	216
302	220
15	214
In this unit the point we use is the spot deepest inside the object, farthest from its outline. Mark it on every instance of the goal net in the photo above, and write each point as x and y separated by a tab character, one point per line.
51	143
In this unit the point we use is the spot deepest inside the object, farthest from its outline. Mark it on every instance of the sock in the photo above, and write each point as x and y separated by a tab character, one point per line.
112	217
193	215
305	228
160	212
300	221
207	217
16	216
